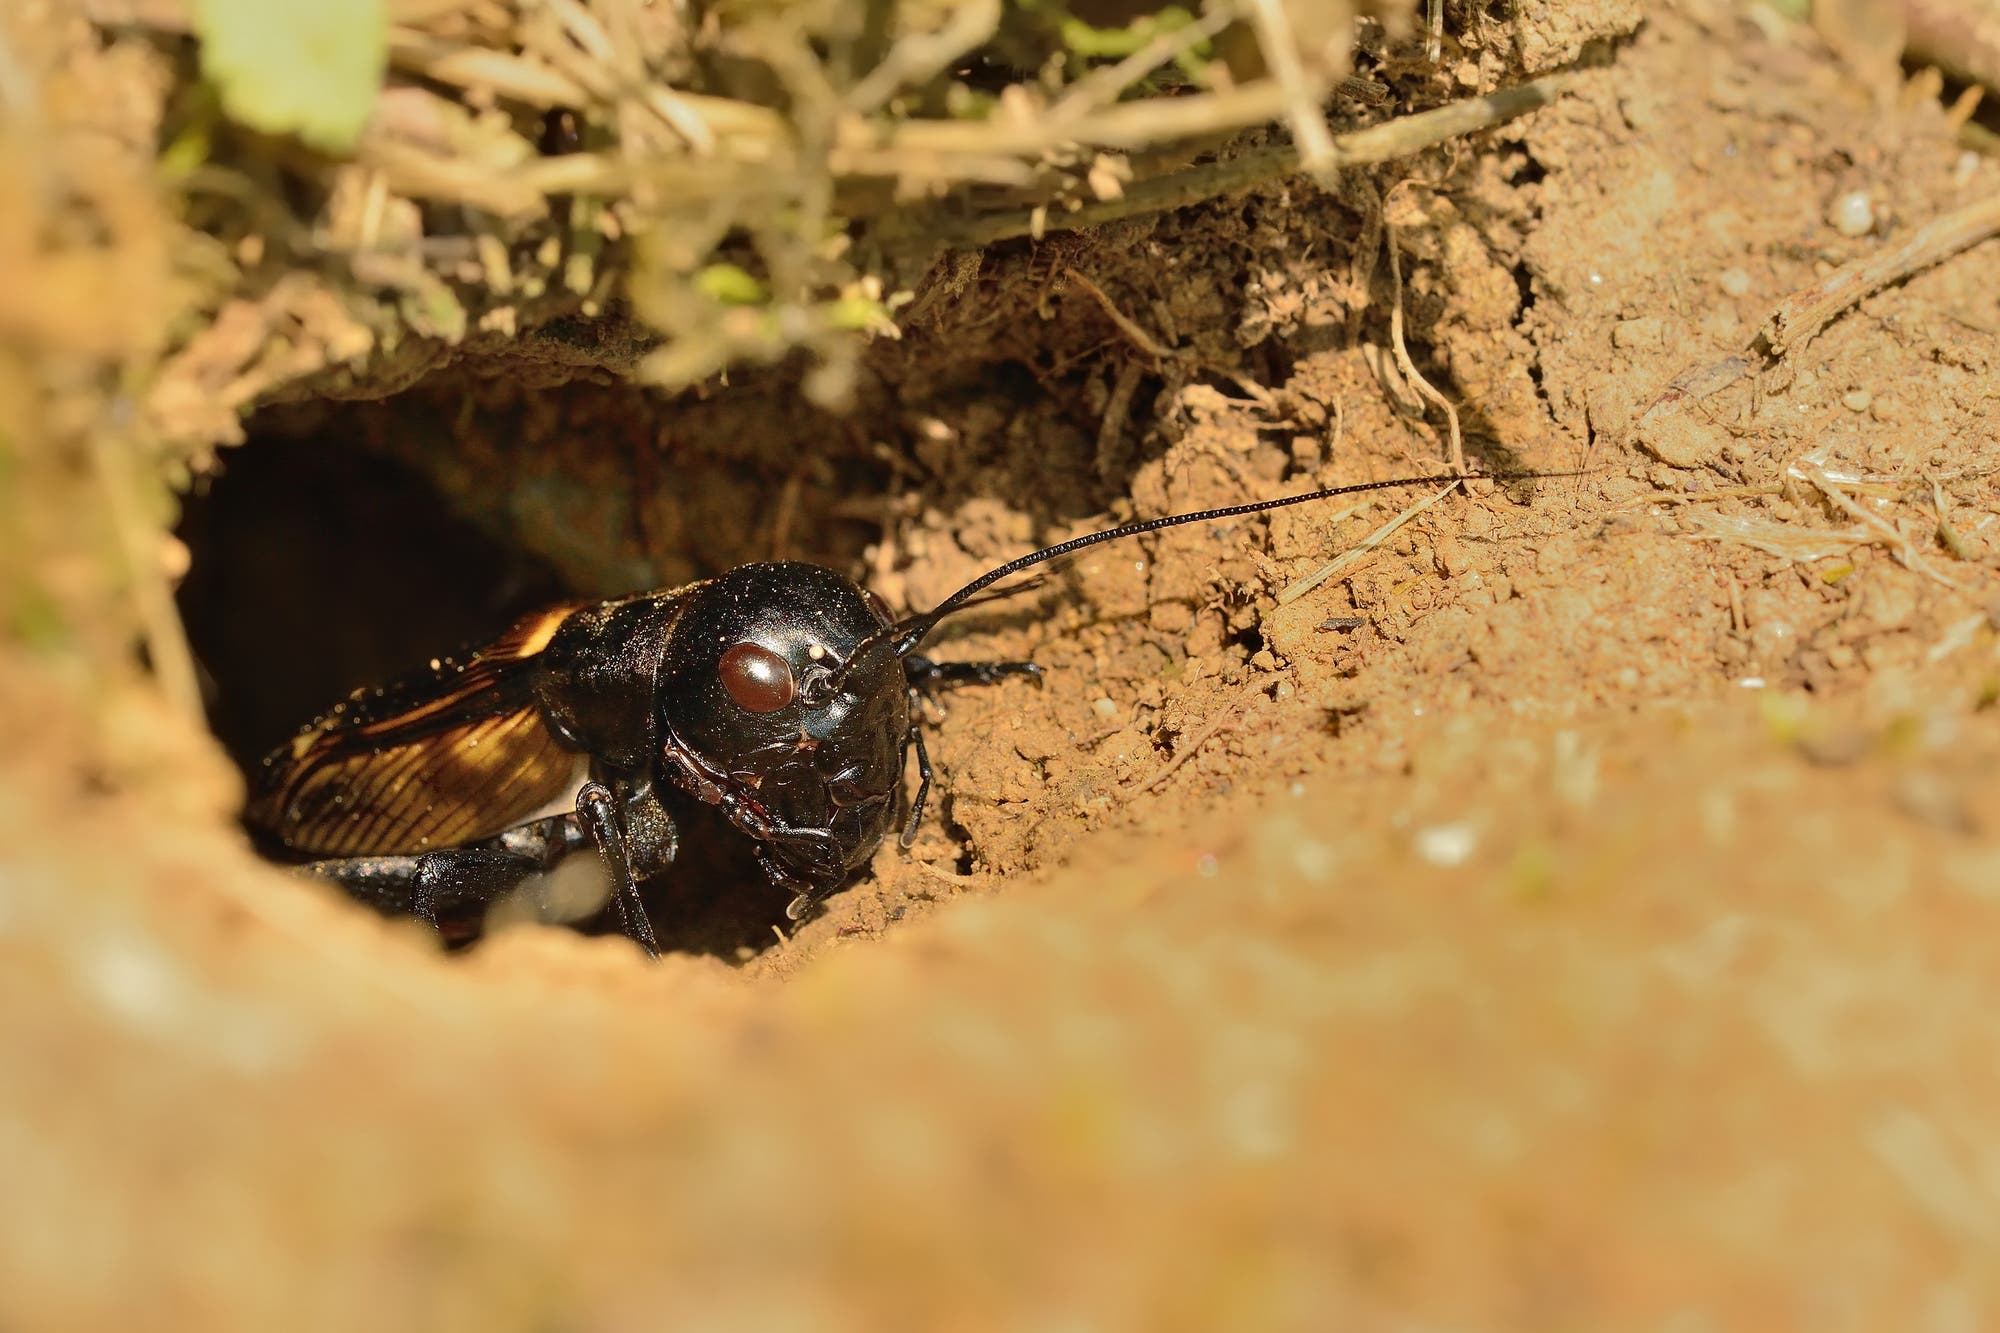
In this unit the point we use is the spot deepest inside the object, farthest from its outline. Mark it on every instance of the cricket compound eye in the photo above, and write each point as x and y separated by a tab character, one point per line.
757	679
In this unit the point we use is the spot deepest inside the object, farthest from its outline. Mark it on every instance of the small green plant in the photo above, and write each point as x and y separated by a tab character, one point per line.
310	70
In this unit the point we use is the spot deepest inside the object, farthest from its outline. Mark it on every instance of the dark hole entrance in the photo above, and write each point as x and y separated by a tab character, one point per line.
318	570
320	566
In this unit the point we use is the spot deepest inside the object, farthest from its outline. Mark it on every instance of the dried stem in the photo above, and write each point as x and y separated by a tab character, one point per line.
1805	313
1309	132
915	61
1388	142
1885	531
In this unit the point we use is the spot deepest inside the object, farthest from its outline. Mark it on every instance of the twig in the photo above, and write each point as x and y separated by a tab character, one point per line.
617	70
1116	409
415	174
1374	539
1140	339
1135	124
1367	251
786	509
917	59
1806	313
1400	138
519	78
1309	133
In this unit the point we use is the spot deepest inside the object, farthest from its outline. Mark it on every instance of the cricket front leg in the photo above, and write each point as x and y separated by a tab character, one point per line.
929	678
633	844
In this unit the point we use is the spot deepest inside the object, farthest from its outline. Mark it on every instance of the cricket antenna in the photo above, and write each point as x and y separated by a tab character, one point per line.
907	634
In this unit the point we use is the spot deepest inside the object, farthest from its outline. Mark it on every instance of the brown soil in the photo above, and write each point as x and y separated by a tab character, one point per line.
1581	912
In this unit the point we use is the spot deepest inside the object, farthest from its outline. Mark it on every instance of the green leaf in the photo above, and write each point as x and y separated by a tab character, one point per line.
304	67
730	285
855	313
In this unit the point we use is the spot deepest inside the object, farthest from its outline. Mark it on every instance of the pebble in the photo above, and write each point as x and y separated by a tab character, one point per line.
1645	332
1734	282
1105	709
1852	214
1856	400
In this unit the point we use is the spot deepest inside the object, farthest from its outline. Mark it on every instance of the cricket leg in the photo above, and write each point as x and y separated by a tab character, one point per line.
930	678
451	888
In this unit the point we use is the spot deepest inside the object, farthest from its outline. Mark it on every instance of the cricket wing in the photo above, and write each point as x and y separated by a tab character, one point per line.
448	755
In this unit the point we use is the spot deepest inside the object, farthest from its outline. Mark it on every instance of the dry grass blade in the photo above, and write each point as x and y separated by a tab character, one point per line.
1229	715
1790	541
1374	539
1878	527
1953	540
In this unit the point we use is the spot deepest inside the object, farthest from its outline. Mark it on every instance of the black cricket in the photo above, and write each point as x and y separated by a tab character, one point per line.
780	693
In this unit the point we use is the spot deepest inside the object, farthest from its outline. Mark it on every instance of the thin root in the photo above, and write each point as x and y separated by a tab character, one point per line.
1401	348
